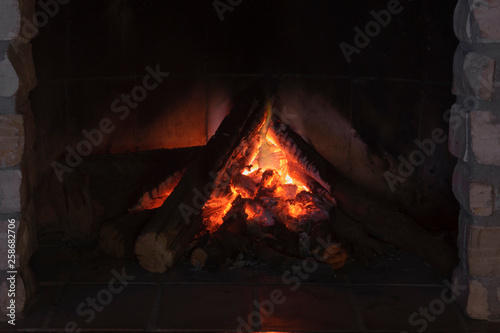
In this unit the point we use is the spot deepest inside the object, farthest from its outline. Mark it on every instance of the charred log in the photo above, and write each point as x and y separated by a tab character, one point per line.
382	223
222	244
166	236
117	237
354	236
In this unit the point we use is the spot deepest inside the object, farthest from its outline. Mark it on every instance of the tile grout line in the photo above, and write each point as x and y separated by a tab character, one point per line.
458	314
150	325
354	302
255	296
64	285
46	320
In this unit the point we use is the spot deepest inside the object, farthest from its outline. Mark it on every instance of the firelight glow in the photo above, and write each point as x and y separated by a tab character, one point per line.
260	181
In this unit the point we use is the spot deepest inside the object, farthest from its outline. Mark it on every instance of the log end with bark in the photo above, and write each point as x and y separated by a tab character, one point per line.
152	252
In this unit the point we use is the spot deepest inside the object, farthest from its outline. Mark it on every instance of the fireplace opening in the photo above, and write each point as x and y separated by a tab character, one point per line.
250	165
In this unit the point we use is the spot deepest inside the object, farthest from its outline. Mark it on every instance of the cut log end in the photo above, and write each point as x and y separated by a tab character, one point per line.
152	253
199	258
335	256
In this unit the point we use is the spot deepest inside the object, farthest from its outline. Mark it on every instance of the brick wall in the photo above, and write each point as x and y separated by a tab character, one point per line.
17	78
475	141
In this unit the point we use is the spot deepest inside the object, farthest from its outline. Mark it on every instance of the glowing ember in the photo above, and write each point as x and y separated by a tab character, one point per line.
261	175
269	190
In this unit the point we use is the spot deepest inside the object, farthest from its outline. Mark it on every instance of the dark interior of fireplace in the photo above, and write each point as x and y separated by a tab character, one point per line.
138	101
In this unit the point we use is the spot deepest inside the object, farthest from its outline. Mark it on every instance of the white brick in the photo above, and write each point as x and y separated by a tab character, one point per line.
10	19
10	195
485	132
481	199
477	304
483	251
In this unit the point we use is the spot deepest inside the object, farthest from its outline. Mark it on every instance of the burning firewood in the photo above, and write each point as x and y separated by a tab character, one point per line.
257	182
166	236
223	243
387	225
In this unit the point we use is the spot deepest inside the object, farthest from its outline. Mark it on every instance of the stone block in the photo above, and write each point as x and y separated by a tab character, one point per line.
458	137
9	81
10	19
481	199
7	105
11	140
477	304
461	21
10	195
485	137
460	85
476	295
461	184
479	71
484	251
21	58
486	16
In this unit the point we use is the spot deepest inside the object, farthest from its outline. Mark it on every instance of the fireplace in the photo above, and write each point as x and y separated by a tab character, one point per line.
113	112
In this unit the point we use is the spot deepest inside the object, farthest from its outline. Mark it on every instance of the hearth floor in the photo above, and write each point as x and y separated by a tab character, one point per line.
380	297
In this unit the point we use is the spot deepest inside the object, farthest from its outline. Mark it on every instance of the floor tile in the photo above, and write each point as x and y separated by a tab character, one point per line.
54	264
35	316
322	273
129	307
398	267
186	273
99	269
400	308
306	307
479	326
210	307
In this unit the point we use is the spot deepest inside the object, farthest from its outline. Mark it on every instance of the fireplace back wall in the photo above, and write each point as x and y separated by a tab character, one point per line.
392	91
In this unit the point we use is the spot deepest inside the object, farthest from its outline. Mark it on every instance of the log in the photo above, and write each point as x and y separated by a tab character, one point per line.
286	241
278	259
354	235
388	225
323	245
131	175
71	200
87	197
117	237
166	236
223	243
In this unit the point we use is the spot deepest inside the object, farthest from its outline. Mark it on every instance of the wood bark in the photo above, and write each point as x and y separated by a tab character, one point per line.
117	237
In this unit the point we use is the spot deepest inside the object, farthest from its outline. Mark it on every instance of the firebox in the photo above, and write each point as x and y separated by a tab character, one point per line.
236	165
